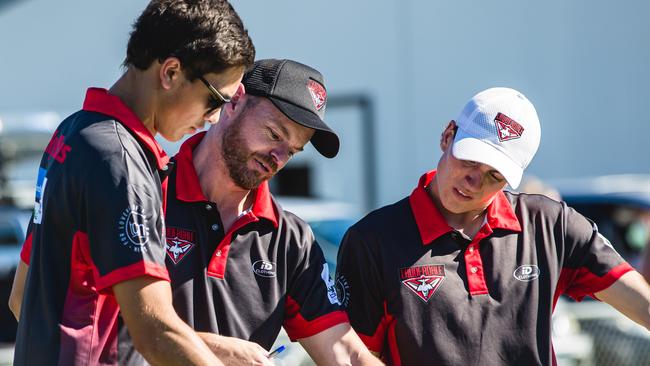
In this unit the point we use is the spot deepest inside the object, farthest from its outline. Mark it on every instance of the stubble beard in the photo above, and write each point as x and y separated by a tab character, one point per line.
236	156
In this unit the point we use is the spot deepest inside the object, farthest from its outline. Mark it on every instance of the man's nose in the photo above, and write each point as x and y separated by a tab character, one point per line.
474	177
281	156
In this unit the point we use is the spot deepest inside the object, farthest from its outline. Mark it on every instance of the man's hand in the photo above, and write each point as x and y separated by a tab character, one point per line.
235	351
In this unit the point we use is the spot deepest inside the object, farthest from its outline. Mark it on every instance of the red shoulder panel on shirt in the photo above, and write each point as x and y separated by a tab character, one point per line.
100	101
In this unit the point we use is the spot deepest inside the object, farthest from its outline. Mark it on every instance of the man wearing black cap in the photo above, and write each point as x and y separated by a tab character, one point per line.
241	267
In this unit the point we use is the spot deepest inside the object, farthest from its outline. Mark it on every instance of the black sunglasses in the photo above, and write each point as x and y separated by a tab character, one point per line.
216	99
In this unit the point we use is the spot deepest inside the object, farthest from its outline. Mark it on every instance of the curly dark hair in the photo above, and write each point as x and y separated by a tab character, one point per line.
206	35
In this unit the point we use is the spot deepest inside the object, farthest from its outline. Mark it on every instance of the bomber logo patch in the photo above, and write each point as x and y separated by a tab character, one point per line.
507	128
317	93
423	281
179	243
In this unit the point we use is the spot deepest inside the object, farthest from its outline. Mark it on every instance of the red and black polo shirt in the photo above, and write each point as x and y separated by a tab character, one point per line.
97	221
420	292
265	272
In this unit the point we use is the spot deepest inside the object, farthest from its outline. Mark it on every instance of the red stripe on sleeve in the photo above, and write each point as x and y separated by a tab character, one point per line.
298	327
26	251
134	270
579	283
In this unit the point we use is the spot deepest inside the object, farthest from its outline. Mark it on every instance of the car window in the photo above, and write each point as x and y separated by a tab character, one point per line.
9	235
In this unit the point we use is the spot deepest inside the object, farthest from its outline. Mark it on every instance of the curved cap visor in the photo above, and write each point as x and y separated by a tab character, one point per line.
324	139
470	148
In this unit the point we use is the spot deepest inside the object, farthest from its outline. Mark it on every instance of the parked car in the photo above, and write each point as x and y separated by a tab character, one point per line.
13	226
620	207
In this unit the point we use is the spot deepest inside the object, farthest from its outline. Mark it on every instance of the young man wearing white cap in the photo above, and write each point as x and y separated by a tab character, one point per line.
463	273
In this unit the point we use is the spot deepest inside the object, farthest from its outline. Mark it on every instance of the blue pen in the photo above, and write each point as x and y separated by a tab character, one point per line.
276	352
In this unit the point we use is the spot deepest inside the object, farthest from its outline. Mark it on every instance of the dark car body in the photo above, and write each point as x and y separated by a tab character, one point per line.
13	225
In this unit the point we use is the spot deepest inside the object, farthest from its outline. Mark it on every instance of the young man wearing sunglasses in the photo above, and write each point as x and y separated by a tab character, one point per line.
96	242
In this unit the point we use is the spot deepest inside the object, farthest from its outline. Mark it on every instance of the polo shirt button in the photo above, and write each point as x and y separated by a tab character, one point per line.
471	248
208	207
474	269
218	254
215	227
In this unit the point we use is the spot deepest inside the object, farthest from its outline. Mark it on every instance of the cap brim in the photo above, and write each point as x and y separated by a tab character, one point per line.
324	139
470	148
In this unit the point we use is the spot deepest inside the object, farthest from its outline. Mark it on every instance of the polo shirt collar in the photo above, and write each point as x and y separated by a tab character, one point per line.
431	224
100	101
188	188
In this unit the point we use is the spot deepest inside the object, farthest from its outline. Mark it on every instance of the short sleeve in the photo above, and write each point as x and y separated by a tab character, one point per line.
359	276
312	304
592	264
123	221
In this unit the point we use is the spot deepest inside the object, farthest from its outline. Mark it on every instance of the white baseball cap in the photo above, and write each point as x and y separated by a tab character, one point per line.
498	127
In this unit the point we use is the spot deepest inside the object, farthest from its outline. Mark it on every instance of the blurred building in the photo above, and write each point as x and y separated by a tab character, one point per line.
396	71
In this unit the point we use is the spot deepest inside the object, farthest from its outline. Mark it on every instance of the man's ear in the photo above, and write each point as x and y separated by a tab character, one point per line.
241	90
447	136
170	72
236	100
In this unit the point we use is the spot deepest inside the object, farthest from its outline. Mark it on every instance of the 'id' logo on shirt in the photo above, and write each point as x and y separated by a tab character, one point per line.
423	281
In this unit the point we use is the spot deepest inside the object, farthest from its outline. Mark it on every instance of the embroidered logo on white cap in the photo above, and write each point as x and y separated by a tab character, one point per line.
507	127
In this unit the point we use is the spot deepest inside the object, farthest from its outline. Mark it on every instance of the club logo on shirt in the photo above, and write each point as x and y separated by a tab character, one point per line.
179	242
264	268
133	229
507	128
423	281
329	283
526	273
343	290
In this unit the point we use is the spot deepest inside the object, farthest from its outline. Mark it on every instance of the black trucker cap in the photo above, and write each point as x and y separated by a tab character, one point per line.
299	92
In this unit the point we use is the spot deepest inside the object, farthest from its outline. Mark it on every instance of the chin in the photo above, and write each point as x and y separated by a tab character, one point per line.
172	137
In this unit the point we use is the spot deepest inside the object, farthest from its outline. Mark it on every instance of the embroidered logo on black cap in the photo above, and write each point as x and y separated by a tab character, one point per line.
507	128
423	281
318	94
